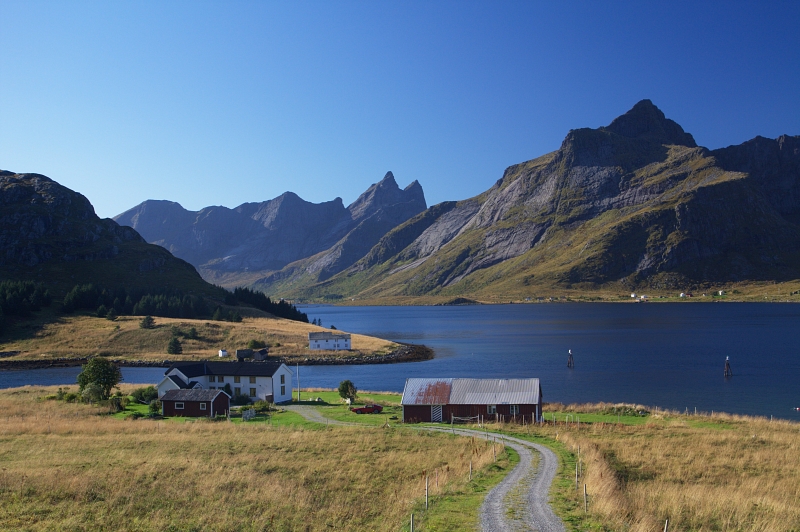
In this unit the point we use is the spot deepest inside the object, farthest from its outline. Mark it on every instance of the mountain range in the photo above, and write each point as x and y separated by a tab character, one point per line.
633	204
237	246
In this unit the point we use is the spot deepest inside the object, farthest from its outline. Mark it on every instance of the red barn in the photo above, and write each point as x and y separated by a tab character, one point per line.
195	403
490	399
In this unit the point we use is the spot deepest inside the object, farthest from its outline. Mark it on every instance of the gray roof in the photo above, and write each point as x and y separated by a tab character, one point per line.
242	369
192	395
328	336
495	392
471	392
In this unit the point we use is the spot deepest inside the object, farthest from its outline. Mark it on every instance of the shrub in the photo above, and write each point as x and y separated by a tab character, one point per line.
240	400
147	323
256	344
111	315
102	311
92	393
117	403
192	334
70	397
145	395
155	407
261	406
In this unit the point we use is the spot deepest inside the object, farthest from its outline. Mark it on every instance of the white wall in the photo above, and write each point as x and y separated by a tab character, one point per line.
329	345
286	385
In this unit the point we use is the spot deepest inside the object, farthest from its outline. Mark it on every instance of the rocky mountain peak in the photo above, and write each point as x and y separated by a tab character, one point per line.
646	121
386	193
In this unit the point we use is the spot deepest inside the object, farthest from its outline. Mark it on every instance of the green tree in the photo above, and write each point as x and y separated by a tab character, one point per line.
174	347
147	323
256	344
155	407
111	315
101	372
192	333
348	390
102	311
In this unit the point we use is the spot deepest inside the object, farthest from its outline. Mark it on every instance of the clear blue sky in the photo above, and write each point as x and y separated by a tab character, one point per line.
219	103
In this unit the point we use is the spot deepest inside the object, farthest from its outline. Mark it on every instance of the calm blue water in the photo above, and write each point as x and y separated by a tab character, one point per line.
670	355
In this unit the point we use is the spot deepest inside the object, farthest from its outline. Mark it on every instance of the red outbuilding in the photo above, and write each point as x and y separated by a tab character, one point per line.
195	403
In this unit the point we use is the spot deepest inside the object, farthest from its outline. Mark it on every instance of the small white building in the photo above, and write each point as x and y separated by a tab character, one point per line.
266	381
328	341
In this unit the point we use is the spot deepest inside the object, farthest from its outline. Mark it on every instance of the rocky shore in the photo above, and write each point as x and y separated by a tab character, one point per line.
404	353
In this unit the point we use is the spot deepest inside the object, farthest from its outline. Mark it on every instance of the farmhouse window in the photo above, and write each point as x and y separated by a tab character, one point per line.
252	380
237	379
220	378
237	391
252	392
491	409
202	406
211	378
283	379
283	390
211	388
178	406
513	410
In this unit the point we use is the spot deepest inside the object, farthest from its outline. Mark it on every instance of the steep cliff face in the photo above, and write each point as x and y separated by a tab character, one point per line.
50	233
232	246
636	202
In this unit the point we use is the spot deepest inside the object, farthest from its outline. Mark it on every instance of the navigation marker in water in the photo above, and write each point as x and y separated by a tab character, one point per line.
570	360
728	371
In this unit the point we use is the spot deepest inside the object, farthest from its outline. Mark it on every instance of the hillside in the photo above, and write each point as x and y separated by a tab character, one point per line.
633	205
51	234
233	247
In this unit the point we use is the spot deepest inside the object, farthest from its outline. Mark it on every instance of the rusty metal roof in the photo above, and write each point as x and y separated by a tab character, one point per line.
426	392
471	392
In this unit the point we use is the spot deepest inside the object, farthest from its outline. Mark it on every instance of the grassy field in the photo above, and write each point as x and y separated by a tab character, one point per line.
67	466
123	339
704	473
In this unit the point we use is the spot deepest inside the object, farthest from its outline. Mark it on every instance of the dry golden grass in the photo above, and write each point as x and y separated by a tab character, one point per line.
82	336
64	467
703	473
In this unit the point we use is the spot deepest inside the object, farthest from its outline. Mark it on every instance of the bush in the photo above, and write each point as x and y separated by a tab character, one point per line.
92	393
261	406
192	334
256	344
145	395
70	397
155	407
147	323
111	315
240	400
117	403
102	311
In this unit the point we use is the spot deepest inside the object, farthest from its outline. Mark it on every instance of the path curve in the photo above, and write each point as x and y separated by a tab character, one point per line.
501	512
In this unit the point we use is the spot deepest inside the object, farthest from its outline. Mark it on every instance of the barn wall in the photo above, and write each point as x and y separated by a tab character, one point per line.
190	409
416	413
221	405
529	412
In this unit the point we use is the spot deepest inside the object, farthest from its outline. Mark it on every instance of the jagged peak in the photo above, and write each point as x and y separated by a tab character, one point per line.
413	185
389	177
647	121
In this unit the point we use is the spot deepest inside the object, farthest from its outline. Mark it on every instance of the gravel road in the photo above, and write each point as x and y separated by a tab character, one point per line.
520	501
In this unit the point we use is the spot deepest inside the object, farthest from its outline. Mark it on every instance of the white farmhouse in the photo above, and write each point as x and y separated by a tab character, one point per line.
328	341
267	381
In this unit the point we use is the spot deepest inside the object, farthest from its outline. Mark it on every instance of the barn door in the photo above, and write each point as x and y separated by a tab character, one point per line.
436	413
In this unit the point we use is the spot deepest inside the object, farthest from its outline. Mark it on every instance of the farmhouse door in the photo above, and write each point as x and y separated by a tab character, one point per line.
436	413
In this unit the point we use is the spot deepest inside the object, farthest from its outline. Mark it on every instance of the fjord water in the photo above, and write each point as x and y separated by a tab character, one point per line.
668	355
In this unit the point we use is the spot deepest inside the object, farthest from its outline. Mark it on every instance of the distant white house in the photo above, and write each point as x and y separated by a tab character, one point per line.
328	341
268	381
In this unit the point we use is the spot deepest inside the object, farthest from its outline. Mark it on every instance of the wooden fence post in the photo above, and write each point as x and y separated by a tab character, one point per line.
585	500
426	492
666	526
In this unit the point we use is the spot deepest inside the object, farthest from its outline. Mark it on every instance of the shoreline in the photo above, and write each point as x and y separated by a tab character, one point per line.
405	353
